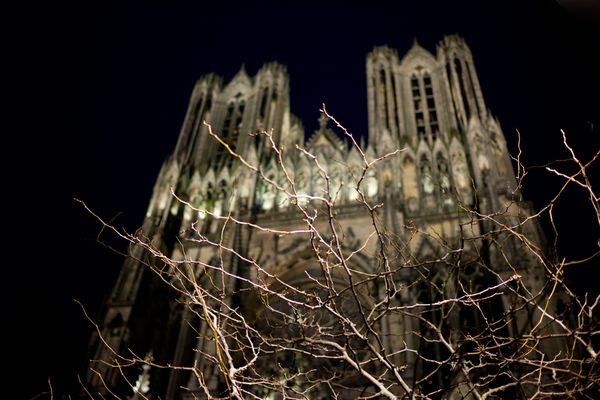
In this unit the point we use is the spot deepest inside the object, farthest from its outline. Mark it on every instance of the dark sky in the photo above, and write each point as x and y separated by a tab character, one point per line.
94	98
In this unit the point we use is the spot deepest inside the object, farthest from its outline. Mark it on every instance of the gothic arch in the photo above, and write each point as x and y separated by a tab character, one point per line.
460	172
209	179
426	180
224	175
423	150
444	178
246	182
439	147
267	191
441	154
416	57
208	190
409	178
195	184
430	293
386	143
297	322
238	88
369	185
194	196
479	147
355	166
302	179
337	182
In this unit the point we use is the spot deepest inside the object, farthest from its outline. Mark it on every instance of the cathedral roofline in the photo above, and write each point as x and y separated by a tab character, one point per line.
417	52
452	42
383	51
324	135
242	76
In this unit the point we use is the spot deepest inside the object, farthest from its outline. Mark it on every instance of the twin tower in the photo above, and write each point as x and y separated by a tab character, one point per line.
453	158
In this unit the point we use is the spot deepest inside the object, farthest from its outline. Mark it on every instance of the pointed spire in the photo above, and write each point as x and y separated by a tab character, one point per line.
195	183
416	44
241	75
324	135
416	50
323	119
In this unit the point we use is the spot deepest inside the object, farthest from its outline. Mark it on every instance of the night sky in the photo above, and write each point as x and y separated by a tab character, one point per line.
94	97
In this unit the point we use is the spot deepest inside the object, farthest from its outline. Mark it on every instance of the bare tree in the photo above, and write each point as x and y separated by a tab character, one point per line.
355	309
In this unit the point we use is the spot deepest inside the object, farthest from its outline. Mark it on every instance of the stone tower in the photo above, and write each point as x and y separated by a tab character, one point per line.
453	158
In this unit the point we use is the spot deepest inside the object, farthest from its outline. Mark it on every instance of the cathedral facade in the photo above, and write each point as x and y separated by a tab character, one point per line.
232	203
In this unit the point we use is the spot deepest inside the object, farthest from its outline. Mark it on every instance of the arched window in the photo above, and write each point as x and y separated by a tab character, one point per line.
472	87
263	105
208	102
410	185
460	174
461	84
371	183
395	107
201	114
221	197
444	174
236	126
426	176
431	109
197	115
444	179
207	109
431	372
418	106
426	118
224	134
483	319
239	114
227	123
383	93
272	108
266	193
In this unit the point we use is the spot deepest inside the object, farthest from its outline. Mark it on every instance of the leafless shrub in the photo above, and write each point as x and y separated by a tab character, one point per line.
357	311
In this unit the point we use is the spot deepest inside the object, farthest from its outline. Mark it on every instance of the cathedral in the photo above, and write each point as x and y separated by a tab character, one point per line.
254	223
